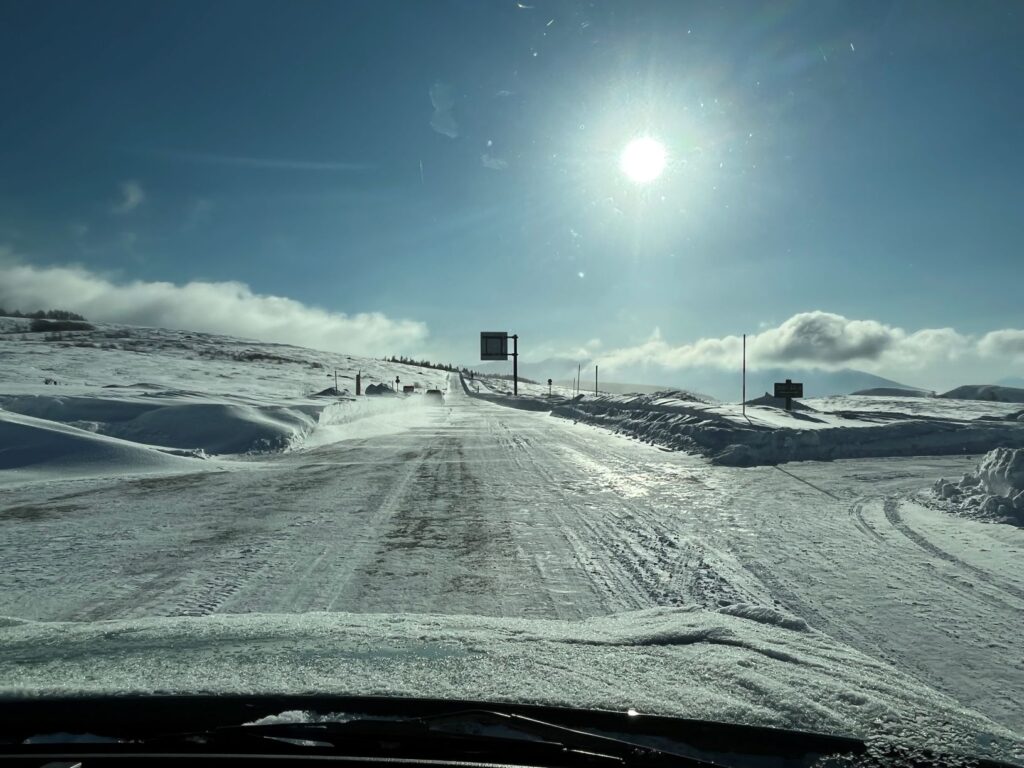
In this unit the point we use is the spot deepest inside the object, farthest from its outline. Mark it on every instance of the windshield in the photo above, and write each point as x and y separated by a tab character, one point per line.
655	355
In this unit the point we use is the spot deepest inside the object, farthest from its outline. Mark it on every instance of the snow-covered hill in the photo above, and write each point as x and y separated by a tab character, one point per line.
145	399
989	392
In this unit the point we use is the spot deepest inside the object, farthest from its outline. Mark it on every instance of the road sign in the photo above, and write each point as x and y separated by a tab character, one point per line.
789	388
494	345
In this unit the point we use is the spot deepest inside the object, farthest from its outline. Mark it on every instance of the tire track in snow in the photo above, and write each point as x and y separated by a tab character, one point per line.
892	514
857	513
650	562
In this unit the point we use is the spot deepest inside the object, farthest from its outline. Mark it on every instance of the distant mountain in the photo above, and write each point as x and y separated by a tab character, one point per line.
986	392
722	385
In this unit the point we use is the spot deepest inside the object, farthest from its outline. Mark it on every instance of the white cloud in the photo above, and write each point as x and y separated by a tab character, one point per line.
822	337
230	308
1007	343
822	340
132	196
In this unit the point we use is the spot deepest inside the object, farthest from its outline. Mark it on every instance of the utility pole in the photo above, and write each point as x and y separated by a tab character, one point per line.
744	374
515	364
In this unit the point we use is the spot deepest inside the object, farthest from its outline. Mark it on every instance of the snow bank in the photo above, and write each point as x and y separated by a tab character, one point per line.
831	428
175	420
994	491
32	447
746	668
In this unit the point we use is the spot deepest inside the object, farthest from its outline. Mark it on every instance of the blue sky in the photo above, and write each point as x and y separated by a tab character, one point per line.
862	159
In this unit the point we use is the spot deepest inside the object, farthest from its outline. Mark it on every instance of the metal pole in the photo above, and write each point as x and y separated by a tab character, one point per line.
335	381
744	374
515	364
595	381
579	369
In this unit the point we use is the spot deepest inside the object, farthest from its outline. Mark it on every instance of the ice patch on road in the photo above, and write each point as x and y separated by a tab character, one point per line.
729	668
994	491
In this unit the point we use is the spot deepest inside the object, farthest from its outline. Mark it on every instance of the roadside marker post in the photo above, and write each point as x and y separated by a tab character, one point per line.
744	401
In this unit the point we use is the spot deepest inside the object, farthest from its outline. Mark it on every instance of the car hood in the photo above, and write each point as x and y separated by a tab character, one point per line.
741	664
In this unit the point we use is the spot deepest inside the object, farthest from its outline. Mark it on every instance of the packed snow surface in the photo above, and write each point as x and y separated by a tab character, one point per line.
995	490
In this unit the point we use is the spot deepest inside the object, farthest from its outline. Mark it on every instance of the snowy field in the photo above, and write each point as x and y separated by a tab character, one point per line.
386	546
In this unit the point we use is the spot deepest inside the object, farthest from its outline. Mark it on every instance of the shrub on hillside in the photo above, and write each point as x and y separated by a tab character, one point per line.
51	326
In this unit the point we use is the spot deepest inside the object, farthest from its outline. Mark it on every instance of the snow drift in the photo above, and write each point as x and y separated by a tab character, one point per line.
995	491
29	444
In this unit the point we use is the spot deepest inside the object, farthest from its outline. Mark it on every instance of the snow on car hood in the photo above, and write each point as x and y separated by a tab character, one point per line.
744	664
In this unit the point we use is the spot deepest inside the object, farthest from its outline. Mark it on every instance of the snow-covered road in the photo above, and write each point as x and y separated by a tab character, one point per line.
474	508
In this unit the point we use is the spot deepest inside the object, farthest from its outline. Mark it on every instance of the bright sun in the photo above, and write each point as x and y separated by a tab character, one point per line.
643	159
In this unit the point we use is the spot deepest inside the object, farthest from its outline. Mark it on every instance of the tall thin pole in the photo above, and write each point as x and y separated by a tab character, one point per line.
515	364
579	370
595	381
744	374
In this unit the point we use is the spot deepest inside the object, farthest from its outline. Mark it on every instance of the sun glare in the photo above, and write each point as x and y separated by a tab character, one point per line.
643	159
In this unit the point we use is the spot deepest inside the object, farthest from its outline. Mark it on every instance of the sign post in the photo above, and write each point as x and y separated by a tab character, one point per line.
494	346
789	389
549	387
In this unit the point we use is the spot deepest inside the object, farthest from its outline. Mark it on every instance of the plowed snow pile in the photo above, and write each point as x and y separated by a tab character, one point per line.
819	429
995	491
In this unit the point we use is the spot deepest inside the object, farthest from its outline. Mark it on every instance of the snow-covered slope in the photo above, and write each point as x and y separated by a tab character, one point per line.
112	396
